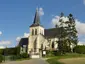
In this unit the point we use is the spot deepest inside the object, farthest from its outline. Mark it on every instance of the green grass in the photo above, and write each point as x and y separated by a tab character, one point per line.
22	59
54	59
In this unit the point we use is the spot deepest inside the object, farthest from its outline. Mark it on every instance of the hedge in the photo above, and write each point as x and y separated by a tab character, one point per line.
79	49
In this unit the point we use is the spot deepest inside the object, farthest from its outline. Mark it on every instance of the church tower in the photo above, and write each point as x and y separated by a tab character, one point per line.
36	33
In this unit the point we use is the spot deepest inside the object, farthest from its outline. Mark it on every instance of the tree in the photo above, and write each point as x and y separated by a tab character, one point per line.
67	33
71	37
62	35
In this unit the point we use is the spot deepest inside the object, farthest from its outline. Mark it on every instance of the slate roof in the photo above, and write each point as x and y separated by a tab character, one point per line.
51	33
36	19
23	41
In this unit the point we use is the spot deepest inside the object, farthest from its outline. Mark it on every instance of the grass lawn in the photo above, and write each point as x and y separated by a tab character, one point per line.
65	59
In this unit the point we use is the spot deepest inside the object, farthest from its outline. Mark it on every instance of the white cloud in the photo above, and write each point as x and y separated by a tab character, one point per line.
5	42
18	39
55	20
81	43
26	34
2	47
80	26
41	12
0	33
84	2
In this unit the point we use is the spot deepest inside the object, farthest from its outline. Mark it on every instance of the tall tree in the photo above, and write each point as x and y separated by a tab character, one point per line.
71	31
67	33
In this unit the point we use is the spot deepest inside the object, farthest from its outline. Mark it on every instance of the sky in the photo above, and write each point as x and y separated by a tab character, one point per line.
17	15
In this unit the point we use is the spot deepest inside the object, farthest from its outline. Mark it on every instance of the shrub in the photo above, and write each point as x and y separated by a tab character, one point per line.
1	58
49	53
19	56
15	57
53	53
56	53
79	49
24	55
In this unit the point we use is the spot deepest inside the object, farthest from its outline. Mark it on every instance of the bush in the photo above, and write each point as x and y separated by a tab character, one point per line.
19	56
1	58
24	55
15	57
49	53
79	49
53	53
56	53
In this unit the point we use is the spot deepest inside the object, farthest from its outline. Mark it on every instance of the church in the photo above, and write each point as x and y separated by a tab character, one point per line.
40	39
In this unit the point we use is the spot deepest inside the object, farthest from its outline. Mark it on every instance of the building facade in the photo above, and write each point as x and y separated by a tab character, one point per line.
39	39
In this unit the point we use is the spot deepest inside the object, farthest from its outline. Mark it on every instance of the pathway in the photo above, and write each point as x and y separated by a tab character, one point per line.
32	61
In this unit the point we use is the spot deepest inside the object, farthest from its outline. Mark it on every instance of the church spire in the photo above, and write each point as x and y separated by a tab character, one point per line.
36	19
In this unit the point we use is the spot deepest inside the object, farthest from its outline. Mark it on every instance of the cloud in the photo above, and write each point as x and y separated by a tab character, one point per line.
5	42
81	43
41	12
26	34
0	33
80	26
2	47
55	20
18	39
84	2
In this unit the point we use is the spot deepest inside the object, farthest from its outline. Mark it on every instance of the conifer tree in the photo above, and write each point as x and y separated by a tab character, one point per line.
67	33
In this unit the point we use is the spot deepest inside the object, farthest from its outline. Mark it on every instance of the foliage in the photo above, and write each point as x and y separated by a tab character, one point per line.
1	58
67	33
79	49
24	55
1	51
20	56
15	57
49	53
52	53
10	51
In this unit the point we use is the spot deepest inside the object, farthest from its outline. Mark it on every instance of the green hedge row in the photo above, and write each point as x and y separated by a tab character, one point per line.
1	58
20	56
14	57
79	49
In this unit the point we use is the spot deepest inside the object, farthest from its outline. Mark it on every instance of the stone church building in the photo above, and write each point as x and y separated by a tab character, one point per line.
39	39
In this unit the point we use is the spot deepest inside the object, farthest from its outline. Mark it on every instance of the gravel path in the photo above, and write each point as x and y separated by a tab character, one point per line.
73	61
32	61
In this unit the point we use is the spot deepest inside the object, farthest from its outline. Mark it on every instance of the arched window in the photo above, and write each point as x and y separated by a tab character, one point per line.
32	31
35	31
52	44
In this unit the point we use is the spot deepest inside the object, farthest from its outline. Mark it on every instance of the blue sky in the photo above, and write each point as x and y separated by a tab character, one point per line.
17	15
